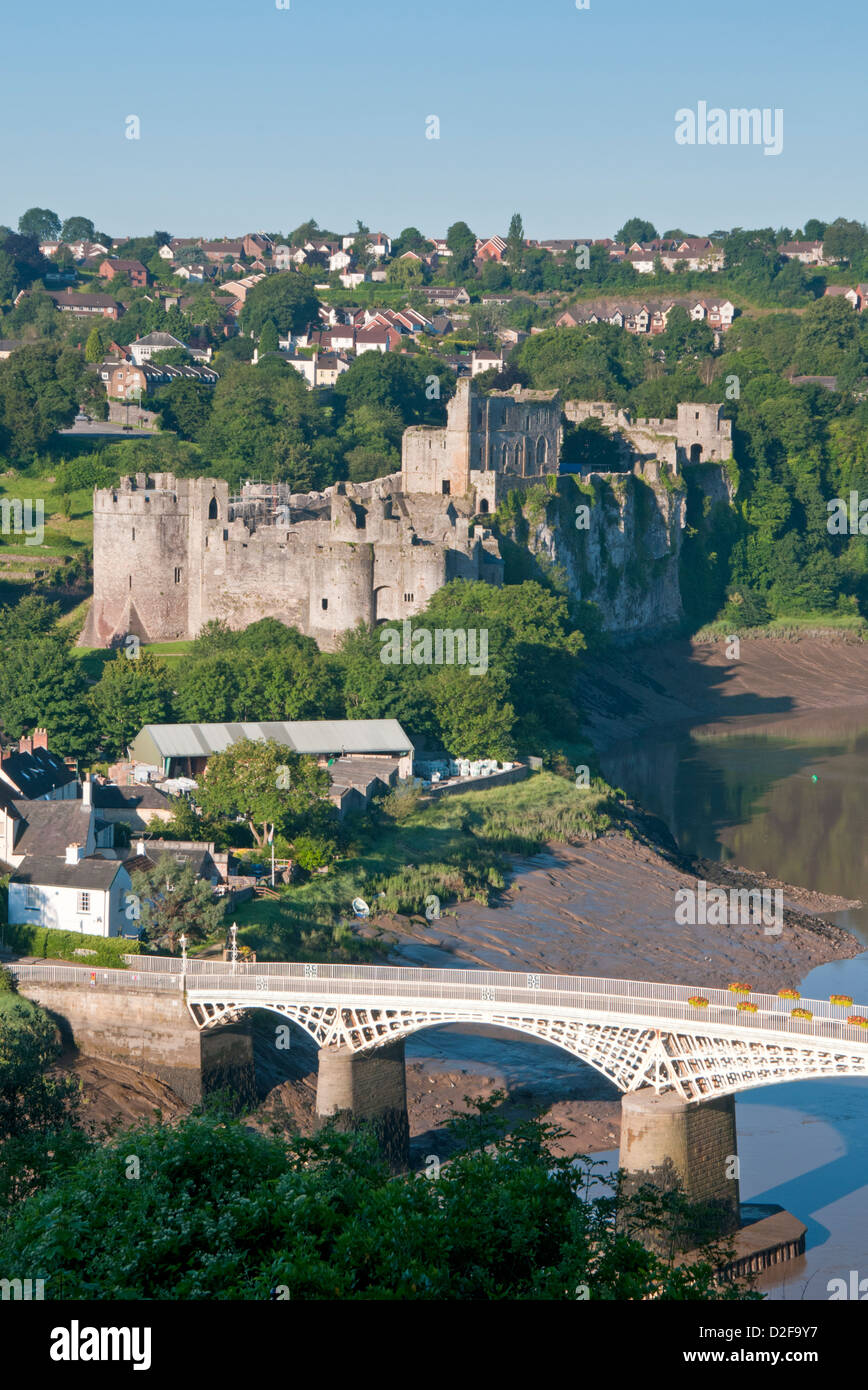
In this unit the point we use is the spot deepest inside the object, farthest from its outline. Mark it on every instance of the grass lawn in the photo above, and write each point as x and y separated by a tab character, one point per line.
455	847
93	659
63	535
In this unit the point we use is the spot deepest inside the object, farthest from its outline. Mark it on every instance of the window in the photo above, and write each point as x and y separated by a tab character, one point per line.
134	533
408	598
177	574
446	487
325	604
213	510
483	506
83	902
31	897
131	581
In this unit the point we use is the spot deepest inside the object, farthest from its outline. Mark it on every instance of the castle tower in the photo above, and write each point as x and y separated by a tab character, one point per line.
141	561
208	518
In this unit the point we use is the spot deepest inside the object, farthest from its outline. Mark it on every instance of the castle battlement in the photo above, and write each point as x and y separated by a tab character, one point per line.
699	434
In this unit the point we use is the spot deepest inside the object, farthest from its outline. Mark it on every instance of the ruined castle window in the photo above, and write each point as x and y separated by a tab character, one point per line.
446	487
225	534
541	450
177	574
696	453
483	506
134	533
408	598
213	510
697	414
325	603
131	581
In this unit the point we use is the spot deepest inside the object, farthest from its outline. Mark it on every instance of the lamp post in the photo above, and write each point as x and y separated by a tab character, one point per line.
182	942
233	945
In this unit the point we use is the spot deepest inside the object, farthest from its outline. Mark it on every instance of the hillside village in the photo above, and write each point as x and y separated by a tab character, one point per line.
265	454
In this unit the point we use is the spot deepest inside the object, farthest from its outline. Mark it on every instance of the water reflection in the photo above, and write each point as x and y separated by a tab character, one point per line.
787	797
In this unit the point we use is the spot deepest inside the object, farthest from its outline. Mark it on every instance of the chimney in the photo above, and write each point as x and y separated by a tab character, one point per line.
74	854
86	792
40	739
25	744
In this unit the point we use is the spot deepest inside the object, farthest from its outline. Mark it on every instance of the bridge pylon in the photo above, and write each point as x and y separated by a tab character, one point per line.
356	1089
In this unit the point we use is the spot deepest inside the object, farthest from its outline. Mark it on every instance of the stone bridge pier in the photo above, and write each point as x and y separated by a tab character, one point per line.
367	1089
667	1141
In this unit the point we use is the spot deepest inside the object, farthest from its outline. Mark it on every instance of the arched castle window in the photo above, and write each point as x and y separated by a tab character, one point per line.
483	505
541	452
213	510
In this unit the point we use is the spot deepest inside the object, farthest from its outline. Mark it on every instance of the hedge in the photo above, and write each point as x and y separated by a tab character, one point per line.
45	941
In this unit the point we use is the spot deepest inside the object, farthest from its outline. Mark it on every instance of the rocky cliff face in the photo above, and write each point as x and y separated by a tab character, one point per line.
613	539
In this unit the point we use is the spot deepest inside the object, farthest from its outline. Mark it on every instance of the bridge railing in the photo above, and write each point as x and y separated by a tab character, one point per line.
653	1005
526	980
482	990
82	975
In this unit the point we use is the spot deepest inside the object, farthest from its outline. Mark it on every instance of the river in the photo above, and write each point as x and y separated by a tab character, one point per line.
787	797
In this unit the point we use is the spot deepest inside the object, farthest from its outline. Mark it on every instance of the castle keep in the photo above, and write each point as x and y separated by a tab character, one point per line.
172	553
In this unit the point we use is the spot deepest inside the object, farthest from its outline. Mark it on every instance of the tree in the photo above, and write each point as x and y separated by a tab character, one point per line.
30	1097
42	685
636	229
462	243
264	420
7	277
411	239
174	902
184	406
288	299
94	349
814	229
268	340
41	223
77	229
515	242
130	693
40	390
267	784
233	1213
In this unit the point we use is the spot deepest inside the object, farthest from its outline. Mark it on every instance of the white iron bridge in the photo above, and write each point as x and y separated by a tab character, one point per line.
637	1034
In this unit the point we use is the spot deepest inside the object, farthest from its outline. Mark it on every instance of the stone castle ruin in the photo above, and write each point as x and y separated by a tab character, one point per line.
172	553
698	435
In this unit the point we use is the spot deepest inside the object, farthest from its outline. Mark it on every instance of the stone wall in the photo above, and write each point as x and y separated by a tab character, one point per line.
151	1030
699	434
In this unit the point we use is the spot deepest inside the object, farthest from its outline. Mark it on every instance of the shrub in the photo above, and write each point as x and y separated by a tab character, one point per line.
44	941
313	852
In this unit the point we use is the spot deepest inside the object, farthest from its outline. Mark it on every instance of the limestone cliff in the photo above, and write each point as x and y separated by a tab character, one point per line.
611	539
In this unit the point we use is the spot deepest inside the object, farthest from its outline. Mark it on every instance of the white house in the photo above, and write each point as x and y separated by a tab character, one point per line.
483	360
75	894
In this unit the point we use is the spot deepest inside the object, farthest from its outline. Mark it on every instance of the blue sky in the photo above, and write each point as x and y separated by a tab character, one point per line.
255	117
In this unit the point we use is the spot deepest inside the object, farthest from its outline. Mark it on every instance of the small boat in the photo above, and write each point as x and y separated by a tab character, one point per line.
360	907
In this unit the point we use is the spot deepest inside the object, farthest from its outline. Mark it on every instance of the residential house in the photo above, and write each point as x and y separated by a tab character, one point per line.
806	252
379	245
482	360
493	249
47	826
322	369
373	338
35	773
844	292
143	349
219	251
114	265
447	296
8	346
86	305
73	892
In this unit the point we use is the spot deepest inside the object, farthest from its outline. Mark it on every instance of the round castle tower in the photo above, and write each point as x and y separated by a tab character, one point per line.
141	570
